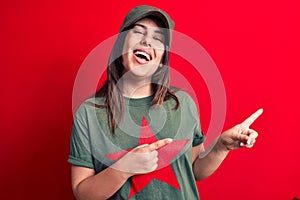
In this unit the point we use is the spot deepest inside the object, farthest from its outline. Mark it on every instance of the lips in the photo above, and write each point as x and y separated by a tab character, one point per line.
142	56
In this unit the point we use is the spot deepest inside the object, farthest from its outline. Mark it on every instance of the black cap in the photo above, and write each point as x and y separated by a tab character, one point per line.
143	11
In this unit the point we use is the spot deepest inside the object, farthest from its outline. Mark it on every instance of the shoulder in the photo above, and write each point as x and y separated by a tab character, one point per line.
184	97
98	101
89	105
187	102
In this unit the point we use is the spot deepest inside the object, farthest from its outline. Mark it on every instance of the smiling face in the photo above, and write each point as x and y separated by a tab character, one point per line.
143	48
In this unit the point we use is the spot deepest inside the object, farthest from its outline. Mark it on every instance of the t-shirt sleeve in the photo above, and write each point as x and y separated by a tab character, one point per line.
198	136
80	150
198	133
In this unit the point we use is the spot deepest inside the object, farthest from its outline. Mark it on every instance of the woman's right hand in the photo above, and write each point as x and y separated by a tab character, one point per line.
141	160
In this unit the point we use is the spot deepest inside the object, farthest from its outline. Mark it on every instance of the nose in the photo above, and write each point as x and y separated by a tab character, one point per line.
146	41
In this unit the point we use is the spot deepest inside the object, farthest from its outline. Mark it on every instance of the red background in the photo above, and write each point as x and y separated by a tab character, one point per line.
254	45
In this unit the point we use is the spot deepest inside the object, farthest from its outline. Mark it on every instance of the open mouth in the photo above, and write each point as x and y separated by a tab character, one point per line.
143	55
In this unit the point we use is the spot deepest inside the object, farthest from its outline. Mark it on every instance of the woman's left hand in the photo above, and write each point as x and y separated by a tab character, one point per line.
241	135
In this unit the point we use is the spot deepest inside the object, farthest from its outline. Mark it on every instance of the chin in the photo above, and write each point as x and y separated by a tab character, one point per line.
145	71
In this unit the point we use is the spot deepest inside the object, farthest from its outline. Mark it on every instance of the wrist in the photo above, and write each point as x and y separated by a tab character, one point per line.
120	173
221	147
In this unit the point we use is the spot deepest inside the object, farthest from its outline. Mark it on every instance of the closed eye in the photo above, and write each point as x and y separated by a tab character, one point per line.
138	32
158	39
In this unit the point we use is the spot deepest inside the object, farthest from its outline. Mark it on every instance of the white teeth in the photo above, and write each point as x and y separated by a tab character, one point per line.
143	54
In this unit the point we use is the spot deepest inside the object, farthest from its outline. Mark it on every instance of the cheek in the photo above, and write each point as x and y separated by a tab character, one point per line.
127	44
160	54
125	52
125	47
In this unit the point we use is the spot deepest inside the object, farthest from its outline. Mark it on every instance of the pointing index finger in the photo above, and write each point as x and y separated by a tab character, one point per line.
158	144
252	118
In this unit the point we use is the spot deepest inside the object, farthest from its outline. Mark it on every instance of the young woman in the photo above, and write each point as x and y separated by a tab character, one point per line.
139	138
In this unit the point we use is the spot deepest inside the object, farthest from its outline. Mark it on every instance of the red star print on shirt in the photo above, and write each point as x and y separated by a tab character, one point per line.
166	154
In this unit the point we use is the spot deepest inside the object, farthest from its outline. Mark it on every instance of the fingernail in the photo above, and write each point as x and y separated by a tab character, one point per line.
261	110
250	142
242	144
170	139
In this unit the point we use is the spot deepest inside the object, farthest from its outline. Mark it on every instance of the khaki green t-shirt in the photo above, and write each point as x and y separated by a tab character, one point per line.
94	146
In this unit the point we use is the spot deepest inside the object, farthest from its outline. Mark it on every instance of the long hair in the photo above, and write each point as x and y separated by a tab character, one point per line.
113	98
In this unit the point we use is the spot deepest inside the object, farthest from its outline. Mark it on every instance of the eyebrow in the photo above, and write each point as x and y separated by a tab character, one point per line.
145	27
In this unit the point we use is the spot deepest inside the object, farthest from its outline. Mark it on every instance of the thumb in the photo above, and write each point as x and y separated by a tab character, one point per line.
144	148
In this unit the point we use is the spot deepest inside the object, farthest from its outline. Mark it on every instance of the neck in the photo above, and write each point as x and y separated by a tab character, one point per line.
136	88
